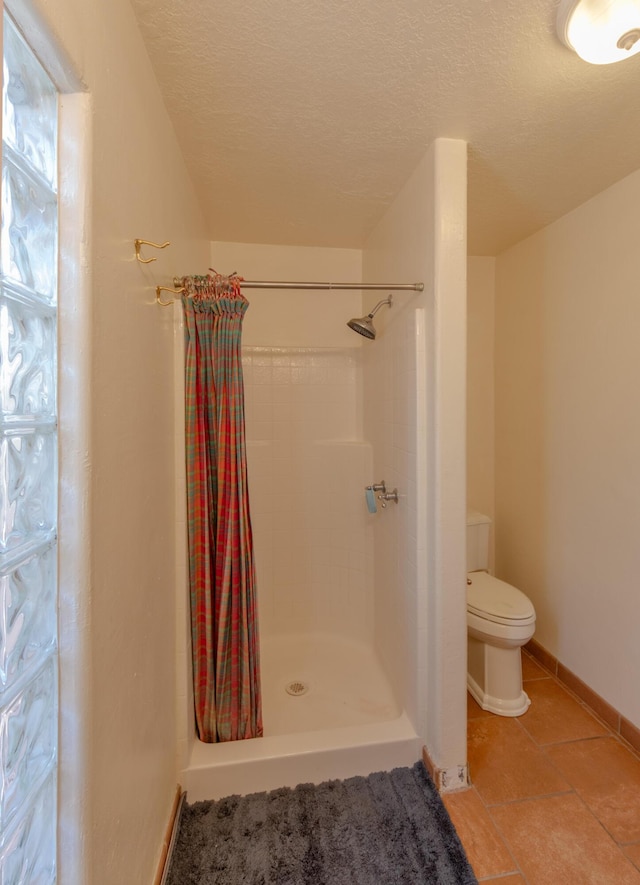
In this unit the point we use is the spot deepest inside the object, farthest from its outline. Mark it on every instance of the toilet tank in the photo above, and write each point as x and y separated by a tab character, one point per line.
478	526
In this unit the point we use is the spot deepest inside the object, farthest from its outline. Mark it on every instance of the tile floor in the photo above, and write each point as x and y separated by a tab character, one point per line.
555	797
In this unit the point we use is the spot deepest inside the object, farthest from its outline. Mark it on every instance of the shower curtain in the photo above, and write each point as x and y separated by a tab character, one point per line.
221	569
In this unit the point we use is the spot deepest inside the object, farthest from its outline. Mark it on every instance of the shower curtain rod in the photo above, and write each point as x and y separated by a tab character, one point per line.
282	284
274	284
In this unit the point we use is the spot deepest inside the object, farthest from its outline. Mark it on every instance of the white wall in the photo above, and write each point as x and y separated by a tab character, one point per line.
135	186
480	387
568	437
298	318
422	237
308	467
395	378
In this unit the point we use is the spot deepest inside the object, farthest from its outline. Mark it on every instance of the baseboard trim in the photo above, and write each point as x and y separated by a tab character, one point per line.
447	780
609	715
169	837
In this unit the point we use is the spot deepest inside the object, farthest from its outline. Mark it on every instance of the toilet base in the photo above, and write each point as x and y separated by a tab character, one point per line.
498	705
494	678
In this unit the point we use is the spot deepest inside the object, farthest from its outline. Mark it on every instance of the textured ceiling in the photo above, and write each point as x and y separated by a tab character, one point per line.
300	121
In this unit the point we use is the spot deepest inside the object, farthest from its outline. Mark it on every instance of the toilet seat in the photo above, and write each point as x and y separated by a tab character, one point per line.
496	601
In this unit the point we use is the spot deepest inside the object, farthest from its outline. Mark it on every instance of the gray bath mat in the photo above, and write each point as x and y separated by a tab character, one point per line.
385	829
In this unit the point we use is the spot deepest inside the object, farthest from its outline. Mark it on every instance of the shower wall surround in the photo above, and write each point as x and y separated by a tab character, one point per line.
395	422
308	467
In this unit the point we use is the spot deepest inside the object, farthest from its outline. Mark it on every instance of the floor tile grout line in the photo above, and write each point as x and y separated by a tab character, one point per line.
502	876
616	732
584	802
523	799
577	741
603	827
577	699
542	747
551	795
498	829
500	836
611	732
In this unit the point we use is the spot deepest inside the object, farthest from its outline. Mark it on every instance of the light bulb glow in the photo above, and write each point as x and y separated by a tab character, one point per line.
593	28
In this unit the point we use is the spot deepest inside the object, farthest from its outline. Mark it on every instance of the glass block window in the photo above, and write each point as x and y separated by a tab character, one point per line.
28	468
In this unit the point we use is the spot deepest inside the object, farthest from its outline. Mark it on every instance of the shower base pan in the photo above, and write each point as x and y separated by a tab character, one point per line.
243	767
328	713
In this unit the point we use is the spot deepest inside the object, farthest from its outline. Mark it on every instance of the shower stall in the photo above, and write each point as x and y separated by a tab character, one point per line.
346	638
330	643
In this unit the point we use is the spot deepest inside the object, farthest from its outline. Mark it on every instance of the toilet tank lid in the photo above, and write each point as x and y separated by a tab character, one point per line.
495	600
475	518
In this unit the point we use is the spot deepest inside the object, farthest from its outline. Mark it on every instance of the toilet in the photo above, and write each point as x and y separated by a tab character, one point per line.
500	620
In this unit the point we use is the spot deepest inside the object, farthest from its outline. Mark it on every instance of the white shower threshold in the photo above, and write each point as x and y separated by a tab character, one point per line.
285	760
329	712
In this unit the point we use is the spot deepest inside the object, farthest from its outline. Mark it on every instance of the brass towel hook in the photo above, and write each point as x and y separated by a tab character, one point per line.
139	243
160	289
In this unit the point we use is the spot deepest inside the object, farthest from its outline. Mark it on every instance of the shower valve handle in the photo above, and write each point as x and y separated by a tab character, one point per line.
388	496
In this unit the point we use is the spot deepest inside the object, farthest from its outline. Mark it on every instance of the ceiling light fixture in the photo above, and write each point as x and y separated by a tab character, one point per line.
600	31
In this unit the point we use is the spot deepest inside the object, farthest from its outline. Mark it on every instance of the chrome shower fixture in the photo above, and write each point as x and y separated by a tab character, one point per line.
364	325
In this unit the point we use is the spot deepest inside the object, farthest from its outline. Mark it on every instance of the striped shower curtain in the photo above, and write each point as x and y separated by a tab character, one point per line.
224	626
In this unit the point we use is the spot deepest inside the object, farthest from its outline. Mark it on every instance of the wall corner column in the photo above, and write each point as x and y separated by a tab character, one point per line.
446	470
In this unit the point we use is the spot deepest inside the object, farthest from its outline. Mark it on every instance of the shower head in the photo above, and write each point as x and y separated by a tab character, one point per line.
364	325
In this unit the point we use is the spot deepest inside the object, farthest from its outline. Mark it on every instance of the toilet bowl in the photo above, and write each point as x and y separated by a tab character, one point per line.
500	620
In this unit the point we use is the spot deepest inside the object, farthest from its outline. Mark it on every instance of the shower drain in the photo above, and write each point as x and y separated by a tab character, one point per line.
296	688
